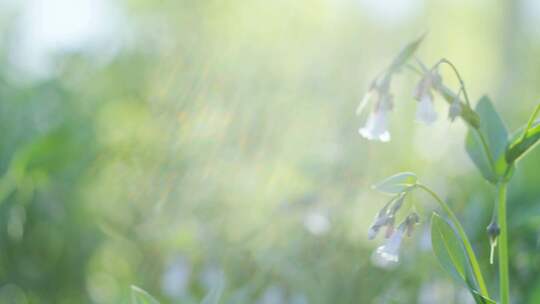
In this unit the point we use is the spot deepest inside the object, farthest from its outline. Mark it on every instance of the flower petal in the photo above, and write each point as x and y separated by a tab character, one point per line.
425	112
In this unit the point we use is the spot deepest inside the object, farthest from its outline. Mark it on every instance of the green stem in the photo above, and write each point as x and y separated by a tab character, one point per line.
504	278
531	121
412	68
463	235
461	82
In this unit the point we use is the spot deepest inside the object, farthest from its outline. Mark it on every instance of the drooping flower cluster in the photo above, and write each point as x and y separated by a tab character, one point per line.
388	253
376	126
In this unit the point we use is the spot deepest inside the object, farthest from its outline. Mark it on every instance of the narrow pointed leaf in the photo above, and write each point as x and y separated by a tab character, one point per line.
480	299
520	145
405	54
139	296
448	249
396	183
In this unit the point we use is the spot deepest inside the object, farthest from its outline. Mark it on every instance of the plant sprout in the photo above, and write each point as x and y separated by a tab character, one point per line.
493	151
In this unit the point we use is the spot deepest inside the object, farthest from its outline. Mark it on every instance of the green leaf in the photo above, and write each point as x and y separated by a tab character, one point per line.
491	165
139	296
493	126
214	295
480	299
397	183
475	150
520	145
405	54
448	249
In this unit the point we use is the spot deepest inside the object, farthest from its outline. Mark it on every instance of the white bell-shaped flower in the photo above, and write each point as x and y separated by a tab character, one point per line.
389	252
376	127
425	112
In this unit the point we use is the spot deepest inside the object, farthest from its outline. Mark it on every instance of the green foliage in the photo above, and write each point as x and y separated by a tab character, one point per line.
397	183
492	126
449	251
486	146
480	299
524	139
448	248
140	296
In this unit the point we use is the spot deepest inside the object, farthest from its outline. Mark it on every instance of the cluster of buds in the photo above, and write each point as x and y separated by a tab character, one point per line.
389	251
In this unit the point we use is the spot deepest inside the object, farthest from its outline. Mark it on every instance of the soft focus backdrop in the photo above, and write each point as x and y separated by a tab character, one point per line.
175	145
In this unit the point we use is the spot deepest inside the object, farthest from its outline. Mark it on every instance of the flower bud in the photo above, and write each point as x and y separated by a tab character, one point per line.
381	220
397	205
390	226
455	109
493	231
411	220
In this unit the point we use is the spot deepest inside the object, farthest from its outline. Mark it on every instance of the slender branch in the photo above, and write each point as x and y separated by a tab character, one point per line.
468	248
461	82
504	278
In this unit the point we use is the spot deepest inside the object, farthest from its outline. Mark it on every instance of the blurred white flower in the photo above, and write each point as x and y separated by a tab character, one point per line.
376	127
316	223
175	279
425	112
389	252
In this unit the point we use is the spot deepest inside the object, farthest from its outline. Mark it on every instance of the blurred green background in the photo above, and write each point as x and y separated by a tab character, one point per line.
176	144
